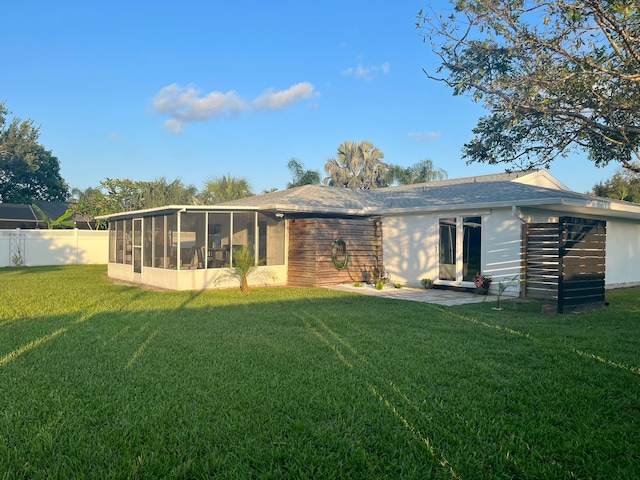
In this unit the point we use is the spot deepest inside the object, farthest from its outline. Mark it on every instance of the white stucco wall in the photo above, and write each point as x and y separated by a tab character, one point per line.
410	246
200	279
501	249
622	254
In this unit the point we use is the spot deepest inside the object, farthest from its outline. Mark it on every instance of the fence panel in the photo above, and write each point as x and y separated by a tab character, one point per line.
53	247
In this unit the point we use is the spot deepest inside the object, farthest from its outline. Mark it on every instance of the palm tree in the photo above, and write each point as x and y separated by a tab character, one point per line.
357	165
302	176
225	188
421	172
160	192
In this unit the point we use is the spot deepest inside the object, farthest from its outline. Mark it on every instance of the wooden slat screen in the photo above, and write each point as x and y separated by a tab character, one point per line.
310	247
542	249
565	262
582	267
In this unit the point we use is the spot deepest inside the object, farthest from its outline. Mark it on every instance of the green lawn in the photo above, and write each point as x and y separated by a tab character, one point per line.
99	380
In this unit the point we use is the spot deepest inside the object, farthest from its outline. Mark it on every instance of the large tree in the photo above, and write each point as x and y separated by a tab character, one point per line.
556	77
623	185
423	171
116	195
161	192
28	171
223	189
301	175
357	165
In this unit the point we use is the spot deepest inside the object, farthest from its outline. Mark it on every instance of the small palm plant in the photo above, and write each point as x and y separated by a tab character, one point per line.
244	263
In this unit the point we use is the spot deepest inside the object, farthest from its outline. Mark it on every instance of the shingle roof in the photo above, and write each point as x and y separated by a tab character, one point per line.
18	215
520	189
472	192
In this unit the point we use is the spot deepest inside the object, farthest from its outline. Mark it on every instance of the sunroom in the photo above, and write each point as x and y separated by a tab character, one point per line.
192	247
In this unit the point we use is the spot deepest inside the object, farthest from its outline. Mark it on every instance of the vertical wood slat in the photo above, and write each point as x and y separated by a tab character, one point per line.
582	264
311	243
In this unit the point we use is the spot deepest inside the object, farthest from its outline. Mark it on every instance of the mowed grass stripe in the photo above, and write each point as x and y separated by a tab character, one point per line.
115	381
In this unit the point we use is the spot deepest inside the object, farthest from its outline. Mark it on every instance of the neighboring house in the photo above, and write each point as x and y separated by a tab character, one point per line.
17	215
526	225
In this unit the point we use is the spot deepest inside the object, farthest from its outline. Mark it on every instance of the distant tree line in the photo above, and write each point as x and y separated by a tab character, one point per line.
29	172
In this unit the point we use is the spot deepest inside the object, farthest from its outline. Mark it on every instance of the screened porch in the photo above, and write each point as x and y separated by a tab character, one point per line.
158	246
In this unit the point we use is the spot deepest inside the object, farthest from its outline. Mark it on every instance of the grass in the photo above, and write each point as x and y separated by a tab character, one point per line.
99	380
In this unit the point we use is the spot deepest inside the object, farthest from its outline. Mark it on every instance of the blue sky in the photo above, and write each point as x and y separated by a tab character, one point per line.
201	89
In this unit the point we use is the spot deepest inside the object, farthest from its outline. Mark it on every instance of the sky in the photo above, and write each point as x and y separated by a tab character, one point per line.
199	89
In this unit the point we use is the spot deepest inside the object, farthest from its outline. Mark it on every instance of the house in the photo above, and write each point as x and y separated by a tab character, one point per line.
526	226
17	215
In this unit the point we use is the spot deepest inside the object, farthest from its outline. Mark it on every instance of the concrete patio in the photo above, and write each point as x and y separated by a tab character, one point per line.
434	295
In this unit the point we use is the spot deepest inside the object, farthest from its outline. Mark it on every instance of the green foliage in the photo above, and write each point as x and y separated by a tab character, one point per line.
28	172
379	275
244	263
503	285
426	282
122	195
357	165
300	175
60	222
160	192
308	383
421	172
224	189
624	185
556	77
17	259
117	195
90	204
245	266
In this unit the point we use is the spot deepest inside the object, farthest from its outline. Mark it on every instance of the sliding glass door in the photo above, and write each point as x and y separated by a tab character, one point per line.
460	248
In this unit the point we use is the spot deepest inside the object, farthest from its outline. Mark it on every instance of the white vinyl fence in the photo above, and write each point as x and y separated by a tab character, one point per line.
53	247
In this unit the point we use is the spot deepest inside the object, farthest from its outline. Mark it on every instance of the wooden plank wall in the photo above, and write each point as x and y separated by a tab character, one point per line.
582	266
311	243
542	257
565	262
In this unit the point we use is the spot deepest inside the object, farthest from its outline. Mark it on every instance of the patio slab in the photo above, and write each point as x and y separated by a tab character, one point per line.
434	295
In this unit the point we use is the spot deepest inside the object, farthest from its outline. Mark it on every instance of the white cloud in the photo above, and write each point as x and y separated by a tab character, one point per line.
368	72
271	100
424	137
186	104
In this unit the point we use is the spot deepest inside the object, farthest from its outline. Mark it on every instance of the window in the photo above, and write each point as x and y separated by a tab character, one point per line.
471	247
219	238
192	240
128	241
244	231
448	242
147	245
460	248
160	257
171	240
271	240
113	242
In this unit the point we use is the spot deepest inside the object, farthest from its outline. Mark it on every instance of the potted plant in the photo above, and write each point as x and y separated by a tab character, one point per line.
426	283
379	276
482	283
